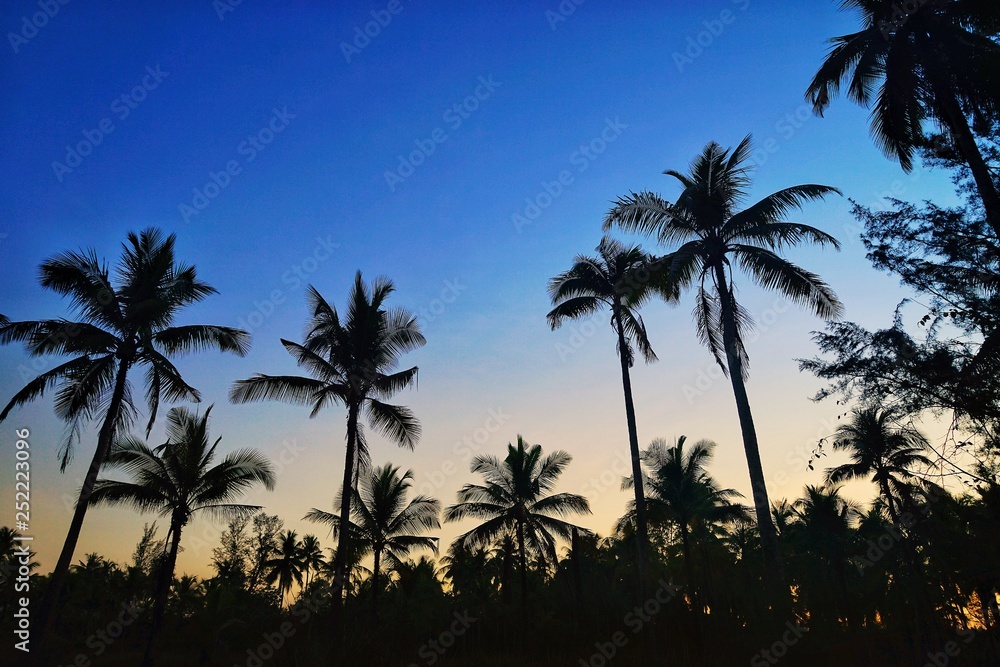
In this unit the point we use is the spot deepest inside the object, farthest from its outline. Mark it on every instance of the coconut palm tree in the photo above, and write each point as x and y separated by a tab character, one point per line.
10	557
683	493
312	556
716	237
822	534
514	499
177	480
618	278
879	447
468	570
352	363
286	569
934	62
384	521
125	323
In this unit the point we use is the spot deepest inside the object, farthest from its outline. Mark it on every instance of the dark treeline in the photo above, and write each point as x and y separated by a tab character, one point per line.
692	573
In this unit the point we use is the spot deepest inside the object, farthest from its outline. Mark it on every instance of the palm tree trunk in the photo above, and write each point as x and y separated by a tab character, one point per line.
577	570
523	558
642	531
689	564
46	611
162	594
967	146
765	525
375	569
922	605
340	560
505	577
890	503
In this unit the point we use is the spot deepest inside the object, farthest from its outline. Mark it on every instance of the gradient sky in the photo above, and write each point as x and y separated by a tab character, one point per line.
314	205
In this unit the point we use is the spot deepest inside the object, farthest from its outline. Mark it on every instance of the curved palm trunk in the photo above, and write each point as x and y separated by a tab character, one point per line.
340	560
762	507
162	593
642	531
967	146
890	502
58	578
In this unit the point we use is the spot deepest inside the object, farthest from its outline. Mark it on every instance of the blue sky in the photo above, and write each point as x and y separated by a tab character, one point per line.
310	201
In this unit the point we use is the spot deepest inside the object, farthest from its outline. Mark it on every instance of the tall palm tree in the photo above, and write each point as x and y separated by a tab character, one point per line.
938	63
618	278
288	566
178	479
124	324
514	499
683	493
352	363
312	556
879	447
384	521
716	237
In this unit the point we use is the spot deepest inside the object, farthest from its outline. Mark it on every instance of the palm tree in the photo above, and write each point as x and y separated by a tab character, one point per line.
682	492
312	556
384	521
880	448
715	236
619	279
352	363
125	323
515	500
938	63
288	566
10	555
467	569
177	480
822	532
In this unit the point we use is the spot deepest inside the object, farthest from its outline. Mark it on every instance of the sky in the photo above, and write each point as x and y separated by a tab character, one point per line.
467	151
